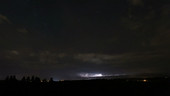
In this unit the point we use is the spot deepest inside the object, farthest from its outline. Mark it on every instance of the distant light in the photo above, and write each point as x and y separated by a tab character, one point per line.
87	75
145	80
97	75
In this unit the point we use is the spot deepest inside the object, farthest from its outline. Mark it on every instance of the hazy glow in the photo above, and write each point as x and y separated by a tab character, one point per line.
118	74
86	75
90	75
97	75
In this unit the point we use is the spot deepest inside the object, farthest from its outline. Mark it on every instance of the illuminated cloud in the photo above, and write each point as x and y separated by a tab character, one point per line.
4	20
15	52
88	75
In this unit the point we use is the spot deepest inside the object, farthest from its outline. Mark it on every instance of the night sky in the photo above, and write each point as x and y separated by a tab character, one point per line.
65	38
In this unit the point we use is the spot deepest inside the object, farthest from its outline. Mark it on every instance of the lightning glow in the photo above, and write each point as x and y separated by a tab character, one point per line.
90	75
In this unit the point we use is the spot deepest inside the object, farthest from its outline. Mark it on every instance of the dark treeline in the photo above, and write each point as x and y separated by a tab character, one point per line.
33	79
34	86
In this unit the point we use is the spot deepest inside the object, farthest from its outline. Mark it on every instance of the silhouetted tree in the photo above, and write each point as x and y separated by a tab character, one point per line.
7	78
28	79
23	79
44	80
37	80
14	78
10	78
32	79
51	80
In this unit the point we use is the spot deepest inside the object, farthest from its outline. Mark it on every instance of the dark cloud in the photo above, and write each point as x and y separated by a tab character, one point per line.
136	2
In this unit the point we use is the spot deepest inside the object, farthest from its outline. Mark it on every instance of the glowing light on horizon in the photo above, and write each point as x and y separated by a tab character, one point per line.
97	75
90	75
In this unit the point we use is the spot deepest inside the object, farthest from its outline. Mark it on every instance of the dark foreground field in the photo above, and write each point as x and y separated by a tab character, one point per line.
116	87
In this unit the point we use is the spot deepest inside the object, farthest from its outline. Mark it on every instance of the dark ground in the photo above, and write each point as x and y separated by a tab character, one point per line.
116	87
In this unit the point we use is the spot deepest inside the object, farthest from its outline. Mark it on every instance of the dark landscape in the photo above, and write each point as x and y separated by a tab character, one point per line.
157	86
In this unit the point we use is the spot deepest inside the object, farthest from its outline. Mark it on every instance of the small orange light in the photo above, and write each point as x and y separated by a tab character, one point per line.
145	80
